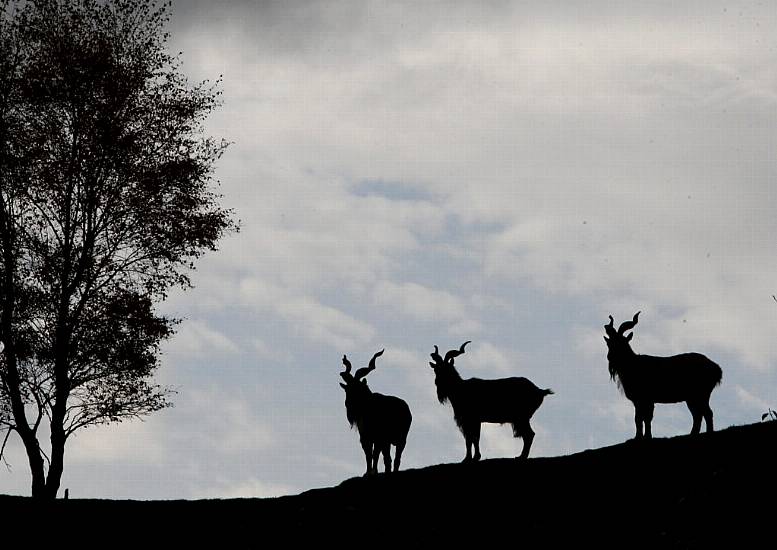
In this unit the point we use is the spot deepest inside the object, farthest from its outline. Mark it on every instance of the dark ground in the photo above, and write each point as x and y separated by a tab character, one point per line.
683	492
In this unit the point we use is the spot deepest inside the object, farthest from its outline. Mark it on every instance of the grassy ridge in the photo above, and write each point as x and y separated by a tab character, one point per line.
682	492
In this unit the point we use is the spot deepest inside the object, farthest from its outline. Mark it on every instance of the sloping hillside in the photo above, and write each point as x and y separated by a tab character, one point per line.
679	492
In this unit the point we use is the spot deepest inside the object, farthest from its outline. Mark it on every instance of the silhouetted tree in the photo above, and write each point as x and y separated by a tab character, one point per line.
105	203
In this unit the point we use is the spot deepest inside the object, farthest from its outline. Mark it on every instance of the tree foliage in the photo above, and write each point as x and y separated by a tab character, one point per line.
106	201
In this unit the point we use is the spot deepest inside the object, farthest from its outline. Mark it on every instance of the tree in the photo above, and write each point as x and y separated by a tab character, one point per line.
105	203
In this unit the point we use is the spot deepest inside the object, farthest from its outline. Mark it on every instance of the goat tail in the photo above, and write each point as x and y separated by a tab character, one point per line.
717	375
547	392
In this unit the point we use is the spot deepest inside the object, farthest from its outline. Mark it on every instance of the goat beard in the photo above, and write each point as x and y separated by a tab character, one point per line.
351	416
615	375
442	396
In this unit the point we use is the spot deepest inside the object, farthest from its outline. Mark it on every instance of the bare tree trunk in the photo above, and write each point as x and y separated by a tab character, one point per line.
56	467
11	376
59	409
21	425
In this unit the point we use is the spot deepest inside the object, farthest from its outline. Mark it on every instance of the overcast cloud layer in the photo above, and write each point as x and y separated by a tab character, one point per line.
419	174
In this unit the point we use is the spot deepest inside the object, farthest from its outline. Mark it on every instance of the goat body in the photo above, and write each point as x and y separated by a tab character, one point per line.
385	421
382	420
688	376
495	401
501	401
646	380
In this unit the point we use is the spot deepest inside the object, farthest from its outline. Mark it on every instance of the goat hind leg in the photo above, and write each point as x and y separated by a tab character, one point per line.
524	431
697	412
386	450
708	419
398	455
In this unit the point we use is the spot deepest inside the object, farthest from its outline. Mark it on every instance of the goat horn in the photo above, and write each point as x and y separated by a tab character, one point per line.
361	373
346	374
436	355
610	329
628	325
347	364
372	361
452	354
364	371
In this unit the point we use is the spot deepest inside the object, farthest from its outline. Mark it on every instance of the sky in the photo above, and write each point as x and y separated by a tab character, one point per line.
411	174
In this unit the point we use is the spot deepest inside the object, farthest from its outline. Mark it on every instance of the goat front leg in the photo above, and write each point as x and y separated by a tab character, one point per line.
476	440
367	448
468	442
647	417
638	421
386	452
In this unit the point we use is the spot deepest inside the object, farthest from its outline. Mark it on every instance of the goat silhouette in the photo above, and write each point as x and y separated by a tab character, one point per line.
474	401
647	380
382	420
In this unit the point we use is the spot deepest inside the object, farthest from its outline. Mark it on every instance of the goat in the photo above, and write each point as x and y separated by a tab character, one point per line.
647	380
474	401
382	420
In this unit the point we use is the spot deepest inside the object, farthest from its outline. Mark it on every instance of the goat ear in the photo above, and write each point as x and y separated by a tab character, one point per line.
628	338
364	381
343	385
431	364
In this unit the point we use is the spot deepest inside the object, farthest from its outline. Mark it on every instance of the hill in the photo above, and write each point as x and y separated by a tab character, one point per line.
685	492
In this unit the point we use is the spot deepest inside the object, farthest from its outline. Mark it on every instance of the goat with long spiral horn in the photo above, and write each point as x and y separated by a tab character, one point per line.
382	420
647	380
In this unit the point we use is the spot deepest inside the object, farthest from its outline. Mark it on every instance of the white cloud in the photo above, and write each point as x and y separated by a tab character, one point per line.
486	357
196	337
134	442
226	424
326	325
751	401
420	302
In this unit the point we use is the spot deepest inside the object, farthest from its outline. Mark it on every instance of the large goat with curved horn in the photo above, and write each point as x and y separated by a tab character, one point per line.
382	420
647	380
474	401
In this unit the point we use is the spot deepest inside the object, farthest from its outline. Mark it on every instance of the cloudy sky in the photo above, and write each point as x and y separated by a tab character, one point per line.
411	174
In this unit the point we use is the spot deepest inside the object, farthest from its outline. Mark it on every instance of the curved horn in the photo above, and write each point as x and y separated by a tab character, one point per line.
628	325
347	364
453	354
436	355
610	329
346	374
372	361
364	371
